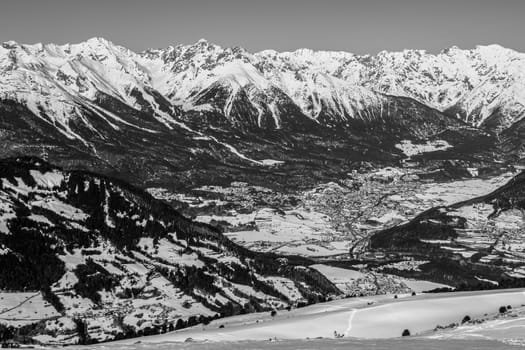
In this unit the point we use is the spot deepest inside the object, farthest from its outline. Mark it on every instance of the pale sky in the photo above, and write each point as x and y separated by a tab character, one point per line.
358	26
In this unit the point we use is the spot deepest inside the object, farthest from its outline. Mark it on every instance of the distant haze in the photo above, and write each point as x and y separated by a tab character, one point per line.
359	26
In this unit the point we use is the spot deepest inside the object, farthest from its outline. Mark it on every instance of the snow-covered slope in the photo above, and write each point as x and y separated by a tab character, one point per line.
351	320
60	83
58	80
478	81
108	257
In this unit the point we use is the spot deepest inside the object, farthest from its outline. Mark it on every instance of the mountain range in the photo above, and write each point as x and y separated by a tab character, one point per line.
202	104
474	84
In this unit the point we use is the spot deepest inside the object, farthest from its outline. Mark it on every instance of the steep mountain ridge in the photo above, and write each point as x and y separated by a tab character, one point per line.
438	80
442	81
474	84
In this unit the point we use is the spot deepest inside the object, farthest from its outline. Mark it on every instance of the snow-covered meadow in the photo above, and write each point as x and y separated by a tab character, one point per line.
356	319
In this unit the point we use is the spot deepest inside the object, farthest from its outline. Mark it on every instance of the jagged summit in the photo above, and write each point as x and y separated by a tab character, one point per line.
443	81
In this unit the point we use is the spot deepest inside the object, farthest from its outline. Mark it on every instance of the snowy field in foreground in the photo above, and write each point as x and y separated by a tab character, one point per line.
325	344
358	319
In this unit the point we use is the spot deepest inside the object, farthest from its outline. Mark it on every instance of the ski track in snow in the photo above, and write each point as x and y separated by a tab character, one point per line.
350	319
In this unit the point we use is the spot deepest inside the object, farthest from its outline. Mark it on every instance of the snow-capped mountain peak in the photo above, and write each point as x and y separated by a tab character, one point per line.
58	81
241	74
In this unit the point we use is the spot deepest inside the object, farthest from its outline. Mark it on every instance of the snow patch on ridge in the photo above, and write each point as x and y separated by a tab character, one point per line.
410	149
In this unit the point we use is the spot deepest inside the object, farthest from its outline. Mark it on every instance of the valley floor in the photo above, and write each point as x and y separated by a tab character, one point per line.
332	219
